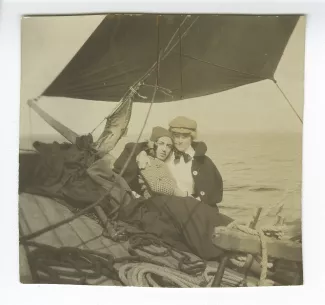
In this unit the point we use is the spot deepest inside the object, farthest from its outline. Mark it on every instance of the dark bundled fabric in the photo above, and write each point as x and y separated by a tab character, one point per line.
218	53
60	166
132	172
65	171
184	223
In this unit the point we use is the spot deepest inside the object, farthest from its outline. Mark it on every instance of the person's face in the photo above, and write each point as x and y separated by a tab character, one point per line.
164	147
182	141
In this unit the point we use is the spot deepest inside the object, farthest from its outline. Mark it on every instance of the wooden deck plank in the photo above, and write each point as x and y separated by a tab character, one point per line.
36	220
42	211
25	273
237	241
66	232
90	236
116	249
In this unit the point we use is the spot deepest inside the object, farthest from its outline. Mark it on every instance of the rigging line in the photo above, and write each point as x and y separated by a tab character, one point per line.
85	242
23	216
93	205
157	65
279	204
28	254
158	51
92	232
52	227
222	67
67	220
26	247
55	233
294	110
145	121
180	60
70	225
148	111
174	35
163	56
183	35
167	51
103	120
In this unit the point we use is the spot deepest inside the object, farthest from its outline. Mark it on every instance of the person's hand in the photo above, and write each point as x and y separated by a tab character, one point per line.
135	194
143	160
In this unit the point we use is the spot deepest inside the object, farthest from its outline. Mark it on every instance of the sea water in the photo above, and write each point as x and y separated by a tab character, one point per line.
259	170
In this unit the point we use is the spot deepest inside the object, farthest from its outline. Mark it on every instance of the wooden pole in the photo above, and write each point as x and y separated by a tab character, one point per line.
222	267
250	258
70	135
221	270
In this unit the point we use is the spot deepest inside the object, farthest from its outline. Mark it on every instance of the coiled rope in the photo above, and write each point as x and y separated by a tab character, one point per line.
141	275
70	265
151	275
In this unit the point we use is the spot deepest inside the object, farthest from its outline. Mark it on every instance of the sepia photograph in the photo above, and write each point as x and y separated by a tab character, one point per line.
161	150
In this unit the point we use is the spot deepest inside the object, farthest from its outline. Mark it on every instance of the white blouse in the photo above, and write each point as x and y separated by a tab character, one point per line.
182	172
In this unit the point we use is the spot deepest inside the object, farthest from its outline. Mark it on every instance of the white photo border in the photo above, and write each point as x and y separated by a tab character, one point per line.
313	211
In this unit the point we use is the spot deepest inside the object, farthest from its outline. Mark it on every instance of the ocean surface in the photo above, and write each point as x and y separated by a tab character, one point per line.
259	170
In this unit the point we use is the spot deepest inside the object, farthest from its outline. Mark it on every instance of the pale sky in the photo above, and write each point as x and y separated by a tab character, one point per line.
48	44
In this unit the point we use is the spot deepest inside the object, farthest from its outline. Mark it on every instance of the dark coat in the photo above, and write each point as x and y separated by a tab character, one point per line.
208	184
131	174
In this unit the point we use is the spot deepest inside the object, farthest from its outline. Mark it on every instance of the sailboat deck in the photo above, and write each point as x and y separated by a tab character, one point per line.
37	212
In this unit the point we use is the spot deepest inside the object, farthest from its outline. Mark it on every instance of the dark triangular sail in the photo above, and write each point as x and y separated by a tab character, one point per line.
210	54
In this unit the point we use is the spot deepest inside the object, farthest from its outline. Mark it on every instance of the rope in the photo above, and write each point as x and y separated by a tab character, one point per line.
279	205
151	275
60	223
160	56
260	234
90	207
163	90
186	266
38	253
102	121
180	60
294	110
141	275
69	265
178	29
183	261
182	36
